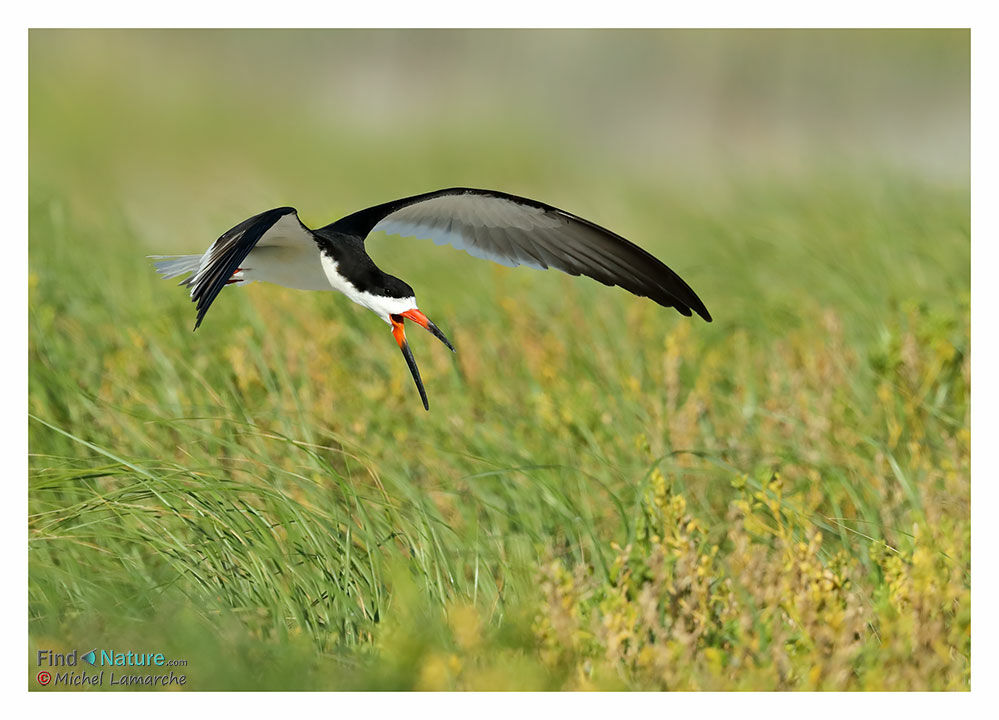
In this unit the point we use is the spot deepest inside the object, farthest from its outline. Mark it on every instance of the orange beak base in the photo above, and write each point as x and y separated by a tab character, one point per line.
423	321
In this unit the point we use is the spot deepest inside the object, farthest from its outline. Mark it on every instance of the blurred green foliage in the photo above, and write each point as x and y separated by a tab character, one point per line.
604	494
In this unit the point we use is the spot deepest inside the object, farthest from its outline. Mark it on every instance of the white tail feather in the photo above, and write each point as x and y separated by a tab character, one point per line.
171	266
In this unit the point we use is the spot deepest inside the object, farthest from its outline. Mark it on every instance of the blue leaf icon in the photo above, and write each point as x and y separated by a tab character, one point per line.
91	658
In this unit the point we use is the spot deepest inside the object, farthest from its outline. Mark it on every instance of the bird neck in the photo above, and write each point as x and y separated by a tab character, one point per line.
351	263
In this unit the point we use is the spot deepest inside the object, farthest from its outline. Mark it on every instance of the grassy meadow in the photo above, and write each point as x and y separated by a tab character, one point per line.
604	494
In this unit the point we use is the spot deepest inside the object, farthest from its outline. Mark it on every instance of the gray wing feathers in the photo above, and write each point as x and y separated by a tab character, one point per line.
484	227
514	231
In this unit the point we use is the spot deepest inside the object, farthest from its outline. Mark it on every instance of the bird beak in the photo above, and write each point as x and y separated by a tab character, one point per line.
399	332
420	319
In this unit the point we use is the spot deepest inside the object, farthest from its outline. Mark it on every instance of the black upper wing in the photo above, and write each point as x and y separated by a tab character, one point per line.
225	255
513	230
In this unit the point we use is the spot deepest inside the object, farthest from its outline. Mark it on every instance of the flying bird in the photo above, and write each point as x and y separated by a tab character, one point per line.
276	247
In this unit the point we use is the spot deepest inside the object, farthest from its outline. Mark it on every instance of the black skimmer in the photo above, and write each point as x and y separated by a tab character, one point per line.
276	247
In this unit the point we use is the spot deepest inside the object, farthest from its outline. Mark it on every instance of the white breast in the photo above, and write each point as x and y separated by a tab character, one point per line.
381	306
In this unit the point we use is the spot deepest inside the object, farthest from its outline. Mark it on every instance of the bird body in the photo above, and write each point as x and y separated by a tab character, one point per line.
276	247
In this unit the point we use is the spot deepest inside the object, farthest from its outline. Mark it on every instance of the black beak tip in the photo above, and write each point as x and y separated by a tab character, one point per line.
415	371
436	332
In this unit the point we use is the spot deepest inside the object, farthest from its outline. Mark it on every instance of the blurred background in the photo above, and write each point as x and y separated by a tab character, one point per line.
241	118
604	494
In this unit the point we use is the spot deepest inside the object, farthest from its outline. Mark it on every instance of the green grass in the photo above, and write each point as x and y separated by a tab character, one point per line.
604	494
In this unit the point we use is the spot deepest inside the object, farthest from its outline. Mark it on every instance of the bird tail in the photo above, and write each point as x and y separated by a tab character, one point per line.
171	266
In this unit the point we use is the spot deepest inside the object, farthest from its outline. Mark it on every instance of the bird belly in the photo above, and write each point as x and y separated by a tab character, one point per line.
381	305
292	267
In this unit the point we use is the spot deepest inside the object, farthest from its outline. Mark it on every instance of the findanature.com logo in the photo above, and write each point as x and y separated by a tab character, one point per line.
65	672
